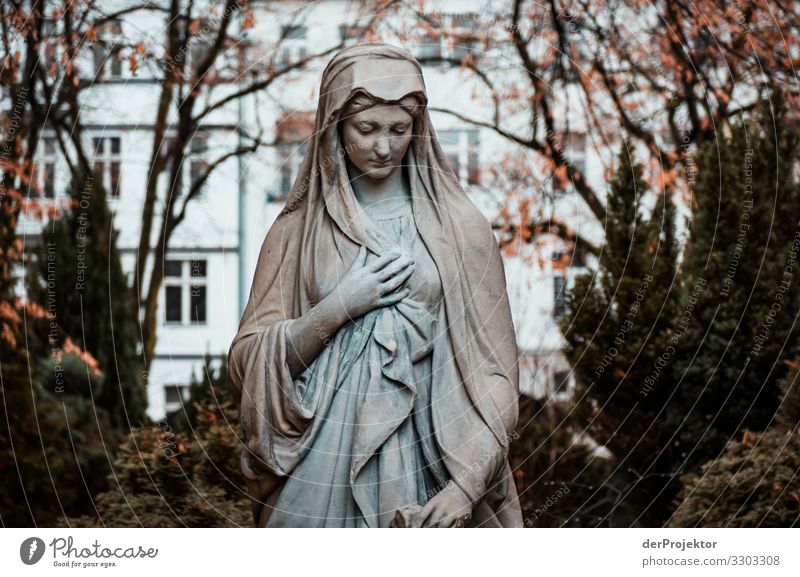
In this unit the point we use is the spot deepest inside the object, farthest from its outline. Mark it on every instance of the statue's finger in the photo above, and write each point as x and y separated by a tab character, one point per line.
397	267
397	280
434	520
422	516
393	297
383	260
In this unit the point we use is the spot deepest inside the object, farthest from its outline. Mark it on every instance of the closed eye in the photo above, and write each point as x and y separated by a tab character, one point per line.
400	128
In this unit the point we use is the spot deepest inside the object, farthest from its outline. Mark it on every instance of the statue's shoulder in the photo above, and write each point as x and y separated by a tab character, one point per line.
283	232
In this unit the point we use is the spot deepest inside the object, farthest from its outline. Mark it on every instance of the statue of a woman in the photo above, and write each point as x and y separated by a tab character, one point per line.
376	362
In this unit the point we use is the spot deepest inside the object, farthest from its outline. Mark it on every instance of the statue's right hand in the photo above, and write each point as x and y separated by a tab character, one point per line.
378	284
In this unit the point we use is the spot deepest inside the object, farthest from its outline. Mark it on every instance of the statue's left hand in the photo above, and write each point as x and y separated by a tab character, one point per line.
450	507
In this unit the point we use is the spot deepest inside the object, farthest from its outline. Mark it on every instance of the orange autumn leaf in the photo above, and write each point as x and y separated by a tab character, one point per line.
85	356
133	62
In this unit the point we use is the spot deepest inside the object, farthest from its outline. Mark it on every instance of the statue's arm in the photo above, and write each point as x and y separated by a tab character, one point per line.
308	335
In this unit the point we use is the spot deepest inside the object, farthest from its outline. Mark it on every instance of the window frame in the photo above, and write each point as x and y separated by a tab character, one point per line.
559	292
466	148
170	407
106	52
46	168
436	32
107	159
196	159
290	160
188	283
293	48
576	150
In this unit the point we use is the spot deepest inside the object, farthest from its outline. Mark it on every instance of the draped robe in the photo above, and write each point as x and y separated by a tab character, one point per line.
474	372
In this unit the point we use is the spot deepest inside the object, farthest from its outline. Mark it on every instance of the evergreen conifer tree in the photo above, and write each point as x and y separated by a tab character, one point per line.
81	276
743	248
618	330
755	482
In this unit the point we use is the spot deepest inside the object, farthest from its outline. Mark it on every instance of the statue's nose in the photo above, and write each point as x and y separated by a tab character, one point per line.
382	148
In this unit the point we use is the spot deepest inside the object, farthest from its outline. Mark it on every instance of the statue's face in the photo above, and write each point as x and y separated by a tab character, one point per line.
376	139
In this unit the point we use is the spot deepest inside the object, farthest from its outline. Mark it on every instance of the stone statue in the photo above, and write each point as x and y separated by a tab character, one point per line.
376	362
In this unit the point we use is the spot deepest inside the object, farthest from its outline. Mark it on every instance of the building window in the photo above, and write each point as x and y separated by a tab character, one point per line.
572	73
195	160
429	44
570	148
576	150
185	291
174	397
292	133
49	26
461	149
198	154
44	177
561	384
107	51
290	158
462	39
200	41
576	256
448	36
108	163
559	288
201	38
293	45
